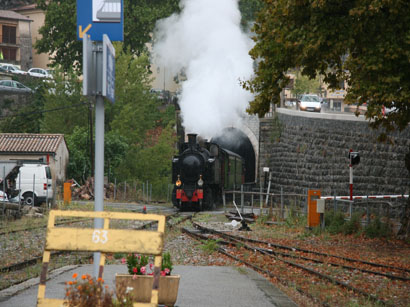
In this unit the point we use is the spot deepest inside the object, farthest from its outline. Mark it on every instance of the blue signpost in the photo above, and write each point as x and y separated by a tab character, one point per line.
98	17
98	22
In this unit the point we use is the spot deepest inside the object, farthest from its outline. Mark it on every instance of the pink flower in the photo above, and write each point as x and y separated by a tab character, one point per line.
143	270
123	260
151	274
167	271
135	270
134	276
163	273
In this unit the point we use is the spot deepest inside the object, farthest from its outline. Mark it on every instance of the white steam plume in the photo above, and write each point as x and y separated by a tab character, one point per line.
206	41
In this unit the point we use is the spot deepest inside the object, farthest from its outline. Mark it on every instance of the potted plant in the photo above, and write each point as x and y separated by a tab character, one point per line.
140	279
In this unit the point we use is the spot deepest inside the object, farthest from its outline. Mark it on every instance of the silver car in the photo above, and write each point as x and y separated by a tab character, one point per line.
13	69
11	85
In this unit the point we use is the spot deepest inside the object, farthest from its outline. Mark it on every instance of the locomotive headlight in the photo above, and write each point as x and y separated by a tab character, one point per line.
178	182
200	181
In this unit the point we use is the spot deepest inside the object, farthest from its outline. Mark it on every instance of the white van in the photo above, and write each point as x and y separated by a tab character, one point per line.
37	176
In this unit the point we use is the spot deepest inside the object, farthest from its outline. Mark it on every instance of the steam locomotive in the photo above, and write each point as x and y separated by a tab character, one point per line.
201	171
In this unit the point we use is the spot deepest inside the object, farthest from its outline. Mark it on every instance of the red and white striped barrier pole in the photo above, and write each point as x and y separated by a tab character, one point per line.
351	175
365	197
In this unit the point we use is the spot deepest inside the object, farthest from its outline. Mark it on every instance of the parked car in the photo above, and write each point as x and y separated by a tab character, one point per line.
13	69
11	85
39	72
310	102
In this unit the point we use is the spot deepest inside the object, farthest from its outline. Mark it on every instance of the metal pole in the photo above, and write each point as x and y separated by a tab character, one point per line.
143	191
260	198
233	195
242	198
19	190
34	187
115	188
267	194
150	193
4	189
47	193
351	176
147	194
99	166
125	190
281	202
224	200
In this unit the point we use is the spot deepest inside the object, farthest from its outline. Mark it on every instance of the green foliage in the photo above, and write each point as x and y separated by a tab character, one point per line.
59	33
353	226
304	85
376	228
166	262
363	42
78	143
66	107
210	246
334	221
18	118
135	263
151	163
249	10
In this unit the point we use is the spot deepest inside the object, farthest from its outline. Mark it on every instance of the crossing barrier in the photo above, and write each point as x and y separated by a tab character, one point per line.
103	240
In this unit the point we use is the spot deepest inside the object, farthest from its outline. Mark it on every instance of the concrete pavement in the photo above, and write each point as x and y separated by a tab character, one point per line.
200	286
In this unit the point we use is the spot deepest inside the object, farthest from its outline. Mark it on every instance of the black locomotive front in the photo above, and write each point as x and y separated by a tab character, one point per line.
190	170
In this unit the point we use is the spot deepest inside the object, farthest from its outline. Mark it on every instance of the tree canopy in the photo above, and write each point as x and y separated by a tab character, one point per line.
364	42
59	33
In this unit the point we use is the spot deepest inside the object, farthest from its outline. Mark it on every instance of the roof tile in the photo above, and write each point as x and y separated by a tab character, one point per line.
26	142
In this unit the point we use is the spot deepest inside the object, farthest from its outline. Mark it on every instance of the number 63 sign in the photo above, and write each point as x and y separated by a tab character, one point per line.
100	236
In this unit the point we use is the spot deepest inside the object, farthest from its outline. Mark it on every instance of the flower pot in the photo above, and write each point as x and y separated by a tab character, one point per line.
142	286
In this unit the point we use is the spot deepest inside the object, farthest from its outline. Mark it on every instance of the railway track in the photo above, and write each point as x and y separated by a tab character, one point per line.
15	268
273	260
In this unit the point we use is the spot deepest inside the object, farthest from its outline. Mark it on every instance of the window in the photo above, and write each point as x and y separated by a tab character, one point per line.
9	53
9	35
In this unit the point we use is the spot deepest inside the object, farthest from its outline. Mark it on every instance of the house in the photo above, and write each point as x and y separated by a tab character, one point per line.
15	39
37	16
50	148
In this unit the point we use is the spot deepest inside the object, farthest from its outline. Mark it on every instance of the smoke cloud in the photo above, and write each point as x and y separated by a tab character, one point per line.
206	41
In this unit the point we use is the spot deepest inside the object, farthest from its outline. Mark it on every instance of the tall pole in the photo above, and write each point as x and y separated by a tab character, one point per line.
99	152
351	175
90	120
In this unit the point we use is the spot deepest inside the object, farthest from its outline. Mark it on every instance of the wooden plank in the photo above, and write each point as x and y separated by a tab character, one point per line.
50	302
100	240
110	215
144	305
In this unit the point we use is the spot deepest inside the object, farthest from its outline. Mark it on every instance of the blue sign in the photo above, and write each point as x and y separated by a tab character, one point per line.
98	17
108	86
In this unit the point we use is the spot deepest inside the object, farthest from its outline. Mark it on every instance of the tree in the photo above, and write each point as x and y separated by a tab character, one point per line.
305	85
66	107
59	33
249	9
364	42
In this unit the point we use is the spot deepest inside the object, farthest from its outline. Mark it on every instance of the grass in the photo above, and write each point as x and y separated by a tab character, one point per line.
209	246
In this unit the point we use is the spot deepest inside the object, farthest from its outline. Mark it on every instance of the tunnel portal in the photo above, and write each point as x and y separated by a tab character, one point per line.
236	141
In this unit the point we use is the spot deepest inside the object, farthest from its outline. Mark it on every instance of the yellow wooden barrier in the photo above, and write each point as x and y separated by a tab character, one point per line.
103	240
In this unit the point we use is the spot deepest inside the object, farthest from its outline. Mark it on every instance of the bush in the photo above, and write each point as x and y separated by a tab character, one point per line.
353	225
334	221
377	228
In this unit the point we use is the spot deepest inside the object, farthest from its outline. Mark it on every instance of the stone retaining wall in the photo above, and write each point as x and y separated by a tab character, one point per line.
312	153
